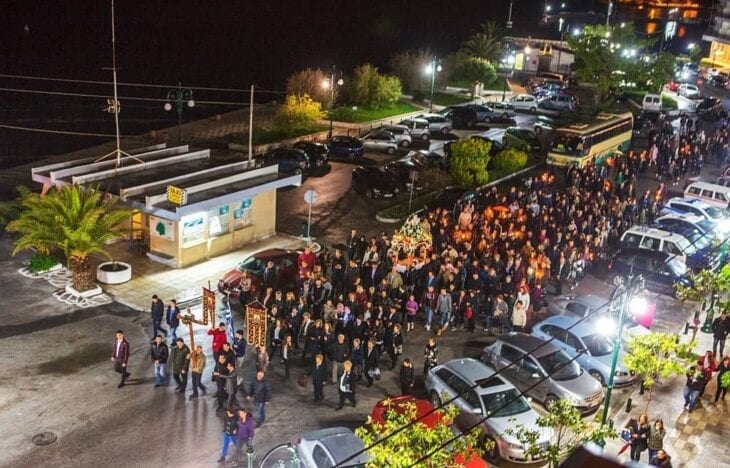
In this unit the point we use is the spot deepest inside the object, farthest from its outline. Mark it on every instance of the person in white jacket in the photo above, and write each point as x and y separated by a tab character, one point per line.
524	296
519	316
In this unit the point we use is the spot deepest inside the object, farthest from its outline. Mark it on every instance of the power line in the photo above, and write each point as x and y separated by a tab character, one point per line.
141	85
498	372
61	132
101	96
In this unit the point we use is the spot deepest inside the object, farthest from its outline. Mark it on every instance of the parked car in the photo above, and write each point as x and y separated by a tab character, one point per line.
581	340
284	261
700	208
289	159
317	152
546	89
479	393
544	123
672	86
543	371
373	182
345	147
525	135
659	269
496	139
426	415
703	226
595	307
380	140
318	449
645	237
402	134
462	117
524	102
428	159
437	123
418	127
689	91
544	78
503	110
557	103
709	107
405	171
450	196
483	113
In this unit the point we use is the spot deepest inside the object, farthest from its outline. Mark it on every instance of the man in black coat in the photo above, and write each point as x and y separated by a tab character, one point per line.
319	375
371	361
338	273
347	387
157	311
720	330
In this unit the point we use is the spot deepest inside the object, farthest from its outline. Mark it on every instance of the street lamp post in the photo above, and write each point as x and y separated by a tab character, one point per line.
433	68
511	62
331	83
180	97
635	306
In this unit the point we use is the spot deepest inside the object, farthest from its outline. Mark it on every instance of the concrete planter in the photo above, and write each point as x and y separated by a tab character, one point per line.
114	272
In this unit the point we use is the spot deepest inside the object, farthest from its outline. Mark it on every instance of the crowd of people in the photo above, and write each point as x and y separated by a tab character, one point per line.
491	260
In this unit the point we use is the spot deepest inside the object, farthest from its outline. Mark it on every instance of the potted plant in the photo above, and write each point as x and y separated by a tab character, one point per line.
114	272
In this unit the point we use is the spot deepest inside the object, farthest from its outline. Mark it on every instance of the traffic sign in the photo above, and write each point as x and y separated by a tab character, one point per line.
177	195
310	196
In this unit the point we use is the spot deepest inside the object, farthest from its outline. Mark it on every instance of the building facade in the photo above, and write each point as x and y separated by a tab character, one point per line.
718	35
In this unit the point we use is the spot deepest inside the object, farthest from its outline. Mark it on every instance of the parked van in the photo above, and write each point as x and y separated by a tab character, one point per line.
652	102
713	194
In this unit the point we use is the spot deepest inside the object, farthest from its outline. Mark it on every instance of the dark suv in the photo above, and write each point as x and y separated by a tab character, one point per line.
345	147
373	182
462	117
317	152
289	159
659	269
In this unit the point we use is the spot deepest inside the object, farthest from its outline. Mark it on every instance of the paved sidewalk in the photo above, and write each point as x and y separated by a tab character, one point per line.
182	284
693	439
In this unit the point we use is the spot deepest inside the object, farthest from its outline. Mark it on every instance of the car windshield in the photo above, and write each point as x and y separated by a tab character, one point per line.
503	404
559	366
697	240
251	264
706	225
598	345
569	144
686	247
716	213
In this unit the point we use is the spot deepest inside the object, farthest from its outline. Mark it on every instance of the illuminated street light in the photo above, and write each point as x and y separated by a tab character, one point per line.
576	32
179	97
431	69
330	83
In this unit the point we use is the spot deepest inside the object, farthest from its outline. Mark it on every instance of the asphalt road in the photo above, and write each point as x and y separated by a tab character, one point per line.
339	208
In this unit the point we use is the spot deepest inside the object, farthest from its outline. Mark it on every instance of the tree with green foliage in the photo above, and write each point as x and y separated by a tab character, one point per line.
707	287
370	88
298	112
311	82
569	431
75	221
468	165
471	68
657	356
486	43
410	66
611	57
416	439
510	159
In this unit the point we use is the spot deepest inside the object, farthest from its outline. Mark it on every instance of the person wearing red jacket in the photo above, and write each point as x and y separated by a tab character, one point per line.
219	337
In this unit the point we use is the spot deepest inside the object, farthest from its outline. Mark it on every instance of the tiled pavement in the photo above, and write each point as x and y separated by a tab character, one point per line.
696	439
182	284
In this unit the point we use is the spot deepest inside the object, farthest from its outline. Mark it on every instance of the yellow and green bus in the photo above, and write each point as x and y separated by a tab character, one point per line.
582	143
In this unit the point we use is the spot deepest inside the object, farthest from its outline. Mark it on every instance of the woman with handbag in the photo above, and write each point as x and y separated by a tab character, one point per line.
640	431
357	357
371	359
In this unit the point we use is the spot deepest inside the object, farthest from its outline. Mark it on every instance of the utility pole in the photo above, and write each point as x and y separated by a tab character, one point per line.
250	128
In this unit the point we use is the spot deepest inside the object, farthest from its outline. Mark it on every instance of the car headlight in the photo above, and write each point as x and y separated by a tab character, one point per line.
574	400
516	446
619	373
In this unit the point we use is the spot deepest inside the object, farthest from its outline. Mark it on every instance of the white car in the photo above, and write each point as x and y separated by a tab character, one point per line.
524	102
380	140
401	132
418	128
689	91
319	448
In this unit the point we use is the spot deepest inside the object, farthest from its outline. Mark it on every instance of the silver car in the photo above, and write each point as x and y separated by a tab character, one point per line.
486	400
596	307
380	140
402	134
437	123
317	449
543	371
418	128
581	339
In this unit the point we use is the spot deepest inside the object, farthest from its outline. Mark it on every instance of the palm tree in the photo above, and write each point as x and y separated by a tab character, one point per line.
11	209
485	43
74	220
